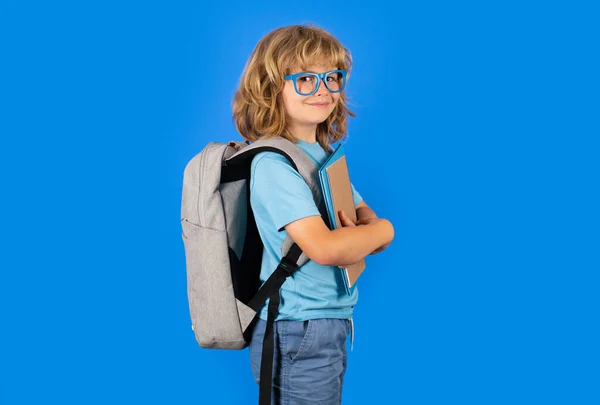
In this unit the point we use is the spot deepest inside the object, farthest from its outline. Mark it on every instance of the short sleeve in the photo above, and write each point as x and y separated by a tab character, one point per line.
357	198
280	190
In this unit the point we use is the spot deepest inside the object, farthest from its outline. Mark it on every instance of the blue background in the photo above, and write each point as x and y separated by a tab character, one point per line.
476	135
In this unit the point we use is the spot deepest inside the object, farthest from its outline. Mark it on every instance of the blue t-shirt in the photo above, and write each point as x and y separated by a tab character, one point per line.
279	195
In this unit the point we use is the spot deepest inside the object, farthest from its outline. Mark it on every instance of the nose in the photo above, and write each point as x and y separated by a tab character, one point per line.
322	90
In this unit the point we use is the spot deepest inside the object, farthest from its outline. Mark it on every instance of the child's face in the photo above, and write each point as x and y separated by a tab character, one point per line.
305	111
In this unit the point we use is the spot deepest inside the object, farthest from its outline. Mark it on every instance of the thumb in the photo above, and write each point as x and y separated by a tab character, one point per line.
344	219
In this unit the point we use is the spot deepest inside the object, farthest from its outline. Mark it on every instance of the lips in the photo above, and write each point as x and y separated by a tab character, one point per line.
319	104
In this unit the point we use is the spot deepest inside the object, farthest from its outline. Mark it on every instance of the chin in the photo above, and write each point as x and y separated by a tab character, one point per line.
316	122
317	119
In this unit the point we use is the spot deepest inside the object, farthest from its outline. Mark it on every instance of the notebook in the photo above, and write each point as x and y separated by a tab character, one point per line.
337	193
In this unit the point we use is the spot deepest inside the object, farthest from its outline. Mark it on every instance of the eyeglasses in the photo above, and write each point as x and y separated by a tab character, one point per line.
307	83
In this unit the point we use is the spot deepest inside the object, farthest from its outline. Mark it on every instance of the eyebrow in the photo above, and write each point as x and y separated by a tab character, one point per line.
311	71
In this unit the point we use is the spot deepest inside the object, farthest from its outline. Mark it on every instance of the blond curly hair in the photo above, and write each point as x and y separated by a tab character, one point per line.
258	110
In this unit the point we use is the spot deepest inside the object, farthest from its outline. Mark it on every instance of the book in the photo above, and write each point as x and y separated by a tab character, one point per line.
337	193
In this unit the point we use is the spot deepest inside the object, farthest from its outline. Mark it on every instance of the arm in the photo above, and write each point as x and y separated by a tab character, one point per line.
340	246
365	215
280	195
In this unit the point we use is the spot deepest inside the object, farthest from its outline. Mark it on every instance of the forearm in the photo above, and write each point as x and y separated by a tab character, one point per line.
350	244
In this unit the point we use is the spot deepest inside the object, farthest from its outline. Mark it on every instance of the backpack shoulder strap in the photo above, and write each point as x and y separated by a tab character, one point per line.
296	156
292	256
238	165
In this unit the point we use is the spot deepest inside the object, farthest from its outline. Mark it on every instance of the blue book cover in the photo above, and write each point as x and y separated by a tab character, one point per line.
336	154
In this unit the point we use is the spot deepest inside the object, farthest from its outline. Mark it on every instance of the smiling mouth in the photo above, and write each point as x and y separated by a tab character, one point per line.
319	104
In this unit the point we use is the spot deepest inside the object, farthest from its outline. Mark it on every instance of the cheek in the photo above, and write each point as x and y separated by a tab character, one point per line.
289	99
336	99
293	106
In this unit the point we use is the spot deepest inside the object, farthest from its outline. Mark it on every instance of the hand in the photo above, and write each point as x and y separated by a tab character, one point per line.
345	220
183	236
367	221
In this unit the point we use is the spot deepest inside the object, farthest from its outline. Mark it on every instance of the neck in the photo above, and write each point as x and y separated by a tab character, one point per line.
305	133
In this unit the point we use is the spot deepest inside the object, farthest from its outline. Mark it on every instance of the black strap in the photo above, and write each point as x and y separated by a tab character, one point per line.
268	352
270	289
286	267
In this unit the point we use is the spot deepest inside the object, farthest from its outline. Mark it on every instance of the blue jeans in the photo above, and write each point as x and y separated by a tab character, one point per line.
309	361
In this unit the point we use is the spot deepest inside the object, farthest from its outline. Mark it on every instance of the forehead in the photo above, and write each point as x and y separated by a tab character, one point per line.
314	68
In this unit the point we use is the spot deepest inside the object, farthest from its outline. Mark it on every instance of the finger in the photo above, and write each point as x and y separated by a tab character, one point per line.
345	220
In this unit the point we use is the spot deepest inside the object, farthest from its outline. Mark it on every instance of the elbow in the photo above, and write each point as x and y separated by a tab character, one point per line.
324	255
324	259
315	240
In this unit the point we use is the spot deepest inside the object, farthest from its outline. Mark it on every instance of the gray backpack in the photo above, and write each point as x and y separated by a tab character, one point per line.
224	251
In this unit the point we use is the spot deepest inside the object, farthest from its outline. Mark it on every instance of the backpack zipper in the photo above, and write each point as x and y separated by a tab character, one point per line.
201	180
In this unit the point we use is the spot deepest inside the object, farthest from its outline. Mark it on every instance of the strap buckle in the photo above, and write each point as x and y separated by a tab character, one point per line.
287	266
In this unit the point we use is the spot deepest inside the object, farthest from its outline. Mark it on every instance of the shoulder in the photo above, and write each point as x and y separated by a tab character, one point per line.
269	161
272	171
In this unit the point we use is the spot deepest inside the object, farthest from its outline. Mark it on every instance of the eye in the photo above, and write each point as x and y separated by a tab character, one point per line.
334	77
306	79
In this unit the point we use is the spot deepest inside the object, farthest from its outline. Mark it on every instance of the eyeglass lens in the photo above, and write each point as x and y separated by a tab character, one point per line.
306	83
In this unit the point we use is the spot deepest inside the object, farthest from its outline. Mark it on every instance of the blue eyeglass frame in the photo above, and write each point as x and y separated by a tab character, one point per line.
320	77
